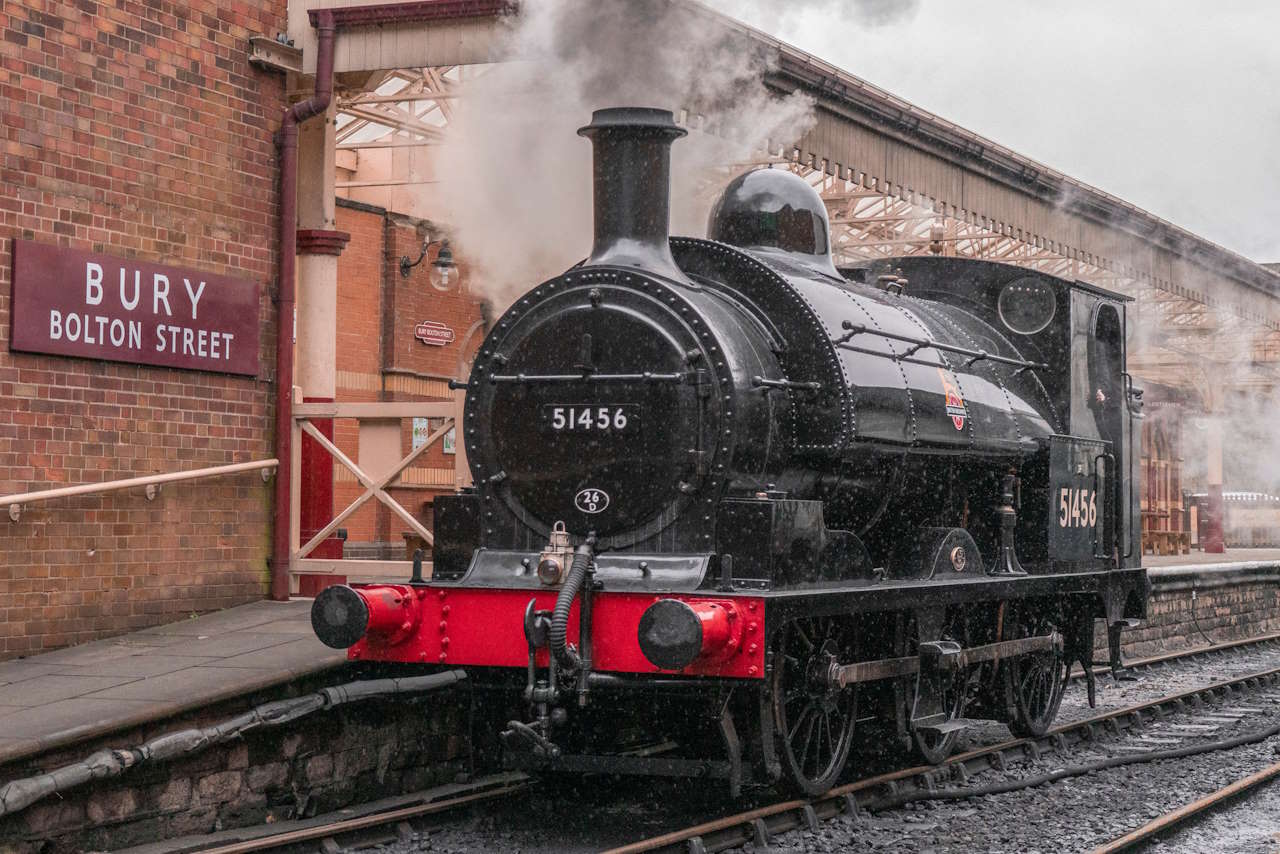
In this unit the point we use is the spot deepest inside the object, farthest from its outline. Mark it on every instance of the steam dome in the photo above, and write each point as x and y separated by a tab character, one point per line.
774	210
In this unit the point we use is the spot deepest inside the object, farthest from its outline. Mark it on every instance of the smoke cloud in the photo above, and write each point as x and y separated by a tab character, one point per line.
515	178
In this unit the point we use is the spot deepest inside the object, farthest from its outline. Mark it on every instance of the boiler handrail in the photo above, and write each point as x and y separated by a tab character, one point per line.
146	480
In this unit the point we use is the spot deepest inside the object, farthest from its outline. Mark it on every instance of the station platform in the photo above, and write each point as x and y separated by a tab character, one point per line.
57	698
1197	558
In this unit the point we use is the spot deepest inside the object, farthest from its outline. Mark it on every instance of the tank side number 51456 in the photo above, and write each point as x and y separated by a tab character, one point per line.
587	418
1077	508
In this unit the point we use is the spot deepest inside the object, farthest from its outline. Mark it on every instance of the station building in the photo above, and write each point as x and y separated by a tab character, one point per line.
145	236
137	142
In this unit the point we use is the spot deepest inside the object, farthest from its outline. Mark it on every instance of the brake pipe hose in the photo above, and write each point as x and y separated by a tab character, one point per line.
559	636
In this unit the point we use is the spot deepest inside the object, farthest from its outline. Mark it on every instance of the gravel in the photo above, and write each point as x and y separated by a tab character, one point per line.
1081	813
1074	815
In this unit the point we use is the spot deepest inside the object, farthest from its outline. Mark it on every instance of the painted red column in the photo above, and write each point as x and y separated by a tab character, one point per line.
1213	539
318	251
316	486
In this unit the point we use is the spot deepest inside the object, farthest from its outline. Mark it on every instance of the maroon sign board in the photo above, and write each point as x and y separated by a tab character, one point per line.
432	333
93	306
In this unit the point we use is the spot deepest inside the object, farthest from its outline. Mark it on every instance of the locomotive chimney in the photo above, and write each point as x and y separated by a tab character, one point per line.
632	186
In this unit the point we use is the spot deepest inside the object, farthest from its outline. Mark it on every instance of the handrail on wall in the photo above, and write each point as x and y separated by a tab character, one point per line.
15	502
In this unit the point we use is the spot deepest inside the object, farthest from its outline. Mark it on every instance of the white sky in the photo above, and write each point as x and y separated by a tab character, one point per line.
1173	106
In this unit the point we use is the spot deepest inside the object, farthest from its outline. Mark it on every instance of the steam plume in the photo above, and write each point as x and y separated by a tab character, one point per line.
516	178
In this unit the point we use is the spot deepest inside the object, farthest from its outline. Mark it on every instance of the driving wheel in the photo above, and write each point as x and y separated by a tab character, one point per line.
931	749
1034	685
813	718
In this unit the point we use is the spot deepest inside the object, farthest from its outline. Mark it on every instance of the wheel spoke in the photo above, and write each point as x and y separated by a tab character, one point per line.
831	746
808	740
830	631
824	754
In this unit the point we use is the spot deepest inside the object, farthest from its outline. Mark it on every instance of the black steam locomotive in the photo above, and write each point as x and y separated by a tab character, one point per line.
733	497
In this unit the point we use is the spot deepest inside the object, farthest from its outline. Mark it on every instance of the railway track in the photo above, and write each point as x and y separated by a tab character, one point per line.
1143	664
388	820
760	825
1191	812
398	818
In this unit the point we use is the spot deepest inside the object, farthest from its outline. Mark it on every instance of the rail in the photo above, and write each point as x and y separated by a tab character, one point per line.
149	482
1194	810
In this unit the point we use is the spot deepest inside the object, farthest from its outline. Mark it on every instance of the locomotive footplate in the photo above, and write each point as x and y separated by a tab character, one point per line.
1119	586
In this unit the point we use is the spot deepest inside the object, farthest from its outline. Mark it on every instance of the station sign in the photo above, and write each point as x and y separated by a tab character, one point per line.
68	302
432	333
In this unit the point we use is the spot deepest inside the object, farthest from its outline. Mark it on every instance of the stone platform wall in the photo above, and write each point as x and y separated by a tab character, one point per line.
1193	606
322	762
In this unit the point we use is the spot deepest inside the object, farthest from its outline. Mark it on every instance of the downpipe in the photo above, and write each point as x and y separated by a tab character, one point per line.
286	294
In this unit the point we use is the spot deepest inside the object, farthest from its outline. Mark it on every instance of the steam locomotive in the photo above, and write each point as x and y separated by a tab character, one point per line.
732	500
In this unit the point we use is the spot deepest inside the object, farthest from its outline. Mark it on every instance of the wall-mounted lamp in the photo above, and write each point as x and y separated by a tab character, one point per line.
442	270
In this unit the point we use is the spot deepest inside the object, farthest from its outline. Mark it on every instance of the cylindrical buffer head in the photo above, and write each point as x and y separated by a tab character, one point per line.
339	616
673	634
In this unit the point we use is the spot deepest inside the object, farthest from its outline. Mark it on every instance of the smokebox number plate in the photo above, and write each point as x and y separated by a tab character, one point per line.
590	419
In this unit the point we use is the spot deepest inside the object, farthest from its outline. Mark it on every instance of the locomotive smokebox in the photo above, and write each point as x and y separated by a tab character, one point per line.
632	188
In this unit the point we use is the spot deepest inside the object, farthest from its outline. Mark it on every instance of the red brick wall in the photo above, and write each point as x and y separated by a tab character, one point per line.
138	129
416	300
360	279
379	358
